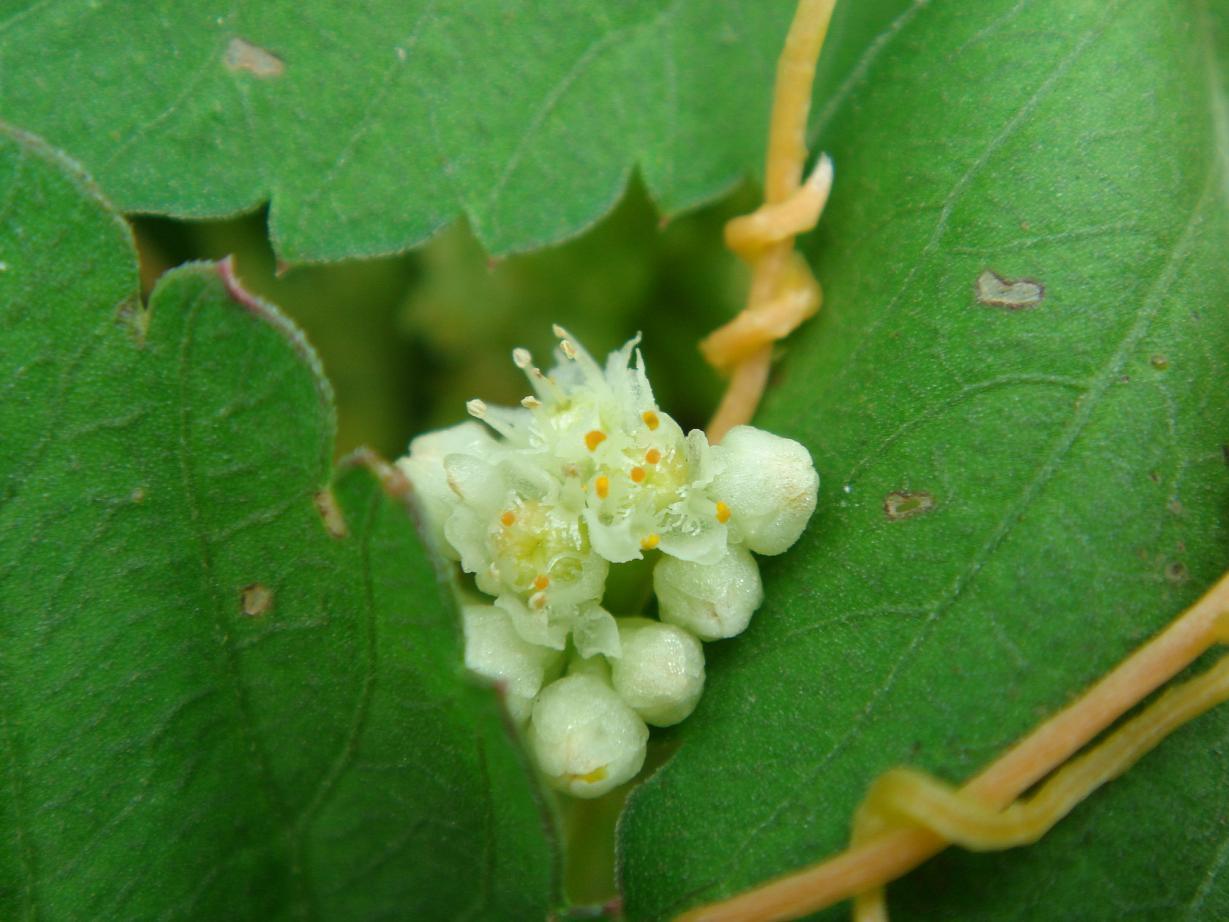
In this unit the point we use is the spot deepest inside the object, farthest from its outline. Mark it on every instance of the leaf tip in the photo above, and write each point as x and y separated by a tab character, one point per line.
234	287
330	513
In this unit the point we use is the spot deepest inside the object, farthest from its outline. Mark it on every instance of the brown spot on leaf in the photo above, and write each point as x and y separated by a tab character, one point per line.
330	512
907	505
1176	572
242	55
137	495
1174	506
256	599
994	290
1159	362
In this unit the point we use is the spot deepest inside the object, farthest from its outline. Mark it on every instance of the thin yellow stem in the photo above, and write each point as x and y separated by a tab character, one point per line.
764	324
873	863
772	239
912	797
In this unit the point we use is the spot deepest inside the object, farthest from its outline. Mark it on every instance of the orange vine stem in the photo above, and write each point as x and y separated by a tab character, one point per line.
882	858
767	240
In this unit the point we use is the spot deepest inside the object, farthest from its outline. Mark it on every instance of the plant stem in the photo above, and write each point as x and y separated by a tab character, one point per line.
885	857
786	158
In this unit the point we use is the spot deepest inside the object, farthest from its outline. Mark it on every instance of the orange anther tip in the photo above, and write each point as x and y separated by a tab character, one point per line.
637	474
650	419
594	438
650	542
541	582
508	519
602	486
723	512
652	456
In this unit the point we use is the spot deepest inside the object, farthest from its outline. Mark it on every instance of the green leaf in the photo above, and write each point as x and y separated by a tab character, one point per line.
369	129
230	686
1015	395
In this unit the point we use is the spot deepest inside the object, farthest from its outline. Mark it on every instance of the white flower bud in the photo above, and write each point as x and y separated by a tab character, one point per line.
585	739
712	601
661	672
424	466
495	650
770	486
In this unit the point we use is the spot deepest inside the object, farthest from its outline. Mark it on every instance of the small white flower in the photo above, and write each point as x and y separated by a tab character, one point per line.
661	672
588	472
643	484
519	532
584	738
713	601
495	650
770	486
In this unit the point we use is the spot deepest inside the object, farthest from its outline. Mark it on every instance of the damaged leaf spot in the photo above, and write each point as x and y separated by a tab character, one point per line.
244	56
1012	294
256	599
905	505
330	513
1160	362
1176	572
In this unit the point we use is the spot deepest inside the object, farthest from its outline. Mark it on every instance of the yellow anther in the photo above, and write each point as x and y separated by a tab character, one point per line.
650	542
637	474
594	438
508	519
602	486
541	582
650	419
652	456
723	512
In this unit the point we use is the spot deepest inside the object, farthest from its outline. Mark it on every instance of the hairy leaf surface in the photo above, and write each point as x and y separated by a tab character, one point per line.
230	682
1015	395
369	127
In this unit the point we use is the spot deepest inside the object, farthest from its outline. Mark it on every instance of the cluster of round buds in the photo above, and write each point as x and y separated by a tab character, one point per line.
540	502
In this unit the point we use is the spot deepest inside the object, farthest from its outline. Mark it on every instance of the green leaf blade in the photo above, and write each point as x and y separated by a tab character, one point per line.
231	687
369	130
1023	471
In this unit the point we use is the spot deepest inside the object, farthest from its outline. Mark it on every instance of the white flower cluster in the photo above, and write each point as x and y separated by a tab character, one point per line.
588	473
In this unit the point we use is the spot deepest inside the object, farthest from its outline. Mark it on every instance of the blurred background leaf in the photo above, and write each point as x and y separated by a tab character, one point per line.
406	341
